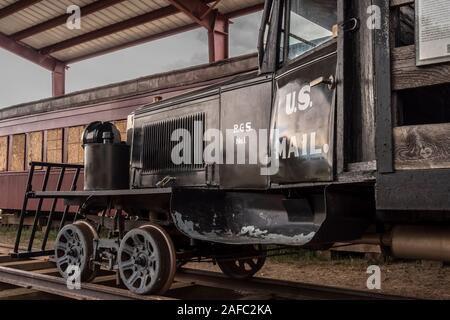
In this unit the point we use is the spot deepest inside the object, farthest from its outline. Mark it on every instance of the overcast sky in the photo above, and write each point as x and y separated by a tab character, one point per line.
22	81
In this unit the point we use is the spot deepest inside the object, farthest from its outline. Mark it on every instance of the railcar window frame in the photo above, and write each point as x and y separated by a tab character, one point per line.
30	154
287	27
17	163
74	145
5	154
49	149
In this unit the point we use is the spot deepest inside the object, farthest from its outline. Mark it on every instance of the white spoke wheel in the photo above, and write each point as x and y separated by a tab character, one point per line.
244	268
147	260
74	248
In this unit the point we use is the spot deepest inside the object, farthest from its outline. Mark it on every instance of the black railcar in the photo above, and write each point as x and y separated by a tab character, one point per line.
306	152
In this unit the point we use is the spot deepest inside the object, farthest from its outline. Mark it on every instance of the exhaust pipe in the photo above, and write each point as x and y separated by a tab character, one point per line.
414	242
421	242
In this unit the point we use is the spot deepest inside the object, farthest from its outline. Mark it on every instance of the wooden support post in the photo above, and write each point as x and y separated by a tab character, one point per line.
340	102
382	88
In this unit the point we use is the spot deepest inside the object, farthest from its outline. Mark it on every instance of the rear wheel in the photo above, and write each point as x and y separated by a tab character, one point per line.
147	260
74	248
247	267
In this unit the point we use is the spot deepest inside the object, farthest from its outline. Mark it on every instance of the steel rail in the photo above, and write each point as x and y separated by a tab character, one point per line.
280	288
58	286
269	288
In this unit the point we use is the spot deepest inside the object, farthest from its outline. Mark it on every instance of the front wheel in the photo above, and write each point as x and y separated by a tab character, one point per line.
147	260
74	248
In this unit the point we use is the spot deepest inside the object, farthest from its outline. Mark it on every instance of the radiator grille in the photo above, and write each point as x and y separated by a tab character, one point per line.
157	145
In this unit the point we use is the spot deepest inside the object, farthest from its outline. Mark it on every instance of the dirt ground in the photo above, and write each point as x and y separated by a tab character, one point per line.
423	280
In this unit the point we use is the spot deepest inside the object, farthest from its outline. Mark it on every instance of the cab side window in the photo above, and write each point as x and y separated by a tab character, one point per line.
311	23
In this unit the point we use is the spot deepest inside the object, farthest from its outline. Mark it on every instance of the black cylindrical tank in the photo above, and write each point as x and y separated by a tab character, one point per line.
106	158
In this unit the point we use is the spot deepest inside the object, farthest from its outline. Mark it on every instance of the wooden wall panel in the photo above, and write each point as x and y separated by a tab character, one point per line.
35	147
422	147
75	152
406	75
54	145
360	103
3	154
18	153
383	92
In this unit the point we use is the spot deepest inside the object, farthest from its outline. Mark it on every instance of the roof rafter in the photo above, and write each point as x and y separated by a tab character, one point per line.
60	20
163	34
204	16
216	23
117	27
197	10
15	7
129	44
105	31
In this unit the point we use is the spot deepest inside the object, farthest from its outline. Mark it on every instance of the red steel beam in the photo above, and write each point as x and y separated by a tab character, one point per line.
59	81
126	24
29	53
60	20
218	39
216	24
197	10
16	7
160	35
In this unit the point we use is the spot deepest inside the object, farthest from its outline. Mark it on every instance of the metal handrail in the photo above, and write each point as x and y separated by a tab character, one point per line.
29	194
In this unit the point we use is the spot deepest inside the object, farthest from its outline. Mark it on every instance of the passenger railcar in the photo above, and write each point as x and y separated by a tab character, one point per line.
50	130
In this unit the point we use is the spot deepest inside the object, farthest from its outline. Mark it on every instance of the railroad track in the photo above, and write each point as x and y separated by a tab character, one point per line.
39	279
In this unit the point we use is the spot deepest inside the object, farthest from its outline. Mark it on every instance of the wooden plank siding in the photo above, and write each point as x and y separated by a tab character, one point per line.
406	75
360	124
422	147
382	91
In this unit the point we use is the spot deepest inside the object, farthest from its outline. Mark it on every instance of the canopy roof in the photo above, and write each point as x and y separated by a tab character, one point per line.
37	30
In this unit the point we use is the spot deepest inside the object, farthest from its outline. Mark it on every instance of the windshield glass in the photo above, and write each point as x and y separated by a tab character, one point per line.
311	23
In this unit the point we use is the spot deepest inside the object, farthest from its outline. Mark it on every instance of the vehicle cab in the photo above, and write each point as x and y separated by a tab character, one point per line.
293	98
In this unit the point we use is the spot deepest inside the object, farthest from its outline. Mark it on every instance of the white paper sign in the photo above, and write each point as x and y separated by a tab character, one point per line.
433	31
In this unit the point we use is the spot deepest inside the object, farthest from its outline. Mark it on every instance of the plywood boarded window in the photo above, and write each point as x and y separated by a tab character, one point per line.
122	127
18	153
3	153
75	150
54	145
35	147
